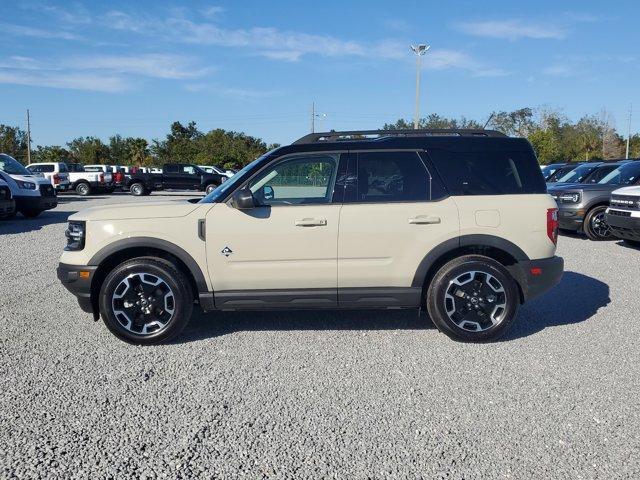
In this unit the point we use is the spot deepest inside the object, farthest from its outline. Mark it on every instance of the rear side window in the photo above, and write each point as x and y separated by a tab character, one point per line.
390	177
42	168
488	172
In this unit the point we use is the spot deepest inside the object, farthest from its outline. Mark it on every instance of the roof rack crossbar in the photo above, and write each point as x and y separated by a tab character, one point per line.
354	134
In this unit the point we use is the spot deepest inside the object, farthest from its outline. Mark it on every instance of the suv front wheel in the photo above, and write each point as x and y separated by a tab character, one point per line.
146	301
473	299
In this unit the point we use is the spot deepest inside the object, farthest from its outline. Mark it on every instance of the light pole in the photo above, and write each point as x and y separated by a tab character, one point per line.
419	50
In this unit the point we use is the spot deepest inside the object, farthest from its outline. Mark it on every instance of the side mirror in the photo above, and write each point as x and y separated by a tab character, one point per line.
267	192
243	199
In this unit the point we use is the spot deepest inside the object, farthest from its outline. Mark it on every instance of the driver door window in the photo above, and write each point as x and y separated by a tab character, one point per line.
300	180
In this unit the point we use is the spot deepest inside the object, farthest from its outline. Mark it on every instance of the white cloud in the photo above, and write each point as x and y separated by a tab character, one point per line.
512	29
71	80
148	65
446	59
213	11
22	31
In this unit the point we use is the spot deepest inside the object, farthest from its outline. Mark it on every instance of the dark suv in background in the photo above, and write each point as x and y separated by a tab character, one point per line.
582	206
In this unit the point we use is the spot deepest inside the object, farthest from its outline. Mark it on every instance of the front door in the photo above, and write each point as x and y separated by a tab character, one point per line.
395	213
283	253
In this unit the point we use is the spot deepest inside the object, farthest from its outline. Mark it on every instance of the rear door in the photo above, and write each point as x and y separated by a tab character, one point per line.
395	212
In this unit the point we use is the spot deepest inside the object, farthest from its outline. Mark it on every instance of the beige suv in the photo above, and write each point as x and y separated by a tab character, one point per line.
456	221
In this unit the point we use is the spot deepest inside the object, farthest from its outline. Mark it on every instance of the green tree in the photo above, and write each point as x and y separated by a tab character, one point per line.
89	150
52	153
13	141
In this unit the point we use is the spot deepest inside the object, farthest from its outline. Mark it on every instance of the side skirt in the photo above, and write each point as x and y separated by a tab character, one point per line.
301	299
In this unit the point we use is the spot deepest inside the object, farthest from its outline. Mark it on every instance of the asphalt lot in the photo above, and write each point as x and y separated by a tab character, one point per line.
318	394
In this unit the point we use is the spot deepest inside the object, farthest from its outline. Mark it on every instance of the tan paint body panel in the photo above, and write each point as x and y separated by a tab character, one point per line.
522	220
269	250
379	247
359	245
174	222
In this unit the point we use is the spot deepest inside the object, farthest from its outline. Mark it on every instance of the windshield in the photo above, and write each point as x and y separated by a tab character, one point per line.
625	175
560	173
225	187
11	166
578	174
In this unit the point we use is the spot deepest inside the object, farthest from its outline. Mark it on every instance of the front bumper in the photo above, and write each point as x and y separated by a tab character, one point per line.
36	202
7	207
535	277
77	279
570	217
623	224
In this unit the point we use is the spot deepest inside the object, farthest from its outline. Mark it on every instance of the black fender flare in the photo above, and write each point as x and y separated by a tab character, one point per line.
464	241
159	244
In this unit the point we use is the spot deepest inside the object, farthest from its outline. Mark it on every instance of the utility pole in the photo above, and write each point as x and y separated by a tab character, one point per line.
419	50
313	117
629	130
28	138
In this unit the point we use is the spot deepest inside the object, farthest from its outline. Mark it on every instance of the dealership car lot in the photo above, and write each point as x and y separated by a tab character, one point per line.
318	394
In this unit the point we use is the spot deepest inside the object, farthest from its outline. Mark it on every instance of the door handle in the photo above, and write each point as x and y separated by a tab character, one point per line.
311	222
425	220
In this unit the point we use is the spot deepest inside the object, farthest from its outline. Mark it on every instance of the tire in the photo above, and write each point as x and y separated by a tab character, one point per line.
119	291
137	189
487	314
632	243
595	227
210	188
83	189
30	213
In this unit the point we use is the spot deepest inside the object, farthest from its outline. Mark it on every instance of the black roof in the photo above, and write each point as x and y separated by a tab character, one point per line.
451	139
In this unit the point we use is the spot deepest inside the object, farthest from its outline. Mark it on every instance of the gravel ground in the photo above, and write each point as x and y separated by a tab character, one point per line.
318	394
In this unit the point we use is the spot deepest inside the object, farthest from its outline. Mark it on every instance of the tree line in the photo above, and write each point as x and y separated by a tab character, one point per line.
554	137
183	144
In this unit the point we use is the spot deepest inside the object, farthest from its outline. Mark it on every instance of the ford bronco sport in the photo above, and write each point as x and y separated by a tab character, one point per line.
454	221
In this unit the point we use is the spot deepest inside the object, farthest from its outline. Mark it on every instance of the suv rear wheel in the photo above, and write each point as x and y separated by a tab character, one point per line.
473	299
137	189
595	224
146	301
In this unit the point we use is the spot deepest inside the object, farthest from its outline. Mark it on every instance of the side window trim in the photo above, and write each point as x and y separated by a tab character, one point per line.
334	197
355	156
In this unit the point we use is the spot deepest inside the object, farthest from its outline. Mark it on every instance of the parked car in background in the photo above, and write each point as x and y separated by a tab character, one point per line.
578	173
623	214
108	173
582	207
219	171
562	171
56	172
83	183
7	203
602	170
457	222
32	193
179	176
550	169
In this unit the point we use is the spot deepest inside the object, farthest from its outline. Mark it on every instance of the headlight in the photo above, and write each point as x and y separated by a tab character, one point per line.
570	197
75	234
26	185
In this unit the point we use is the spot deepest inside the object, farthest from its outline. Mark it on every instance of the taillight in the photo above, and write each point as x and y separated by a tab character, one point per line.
118	177
56	179
552	225
102	178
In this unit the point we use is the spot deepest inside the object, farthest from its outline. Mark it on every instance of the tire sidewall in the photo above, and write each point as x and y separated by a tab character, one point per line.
587	225
83	189
173	277
137	189
210	188
438	287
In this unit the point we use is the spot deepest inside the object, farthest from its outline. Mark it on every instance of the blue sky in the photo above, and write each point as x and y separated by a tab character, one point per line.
98	68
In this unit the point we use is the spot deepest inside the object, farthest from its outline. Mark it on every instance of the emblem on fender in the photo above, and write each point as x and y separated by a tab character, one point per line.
226	251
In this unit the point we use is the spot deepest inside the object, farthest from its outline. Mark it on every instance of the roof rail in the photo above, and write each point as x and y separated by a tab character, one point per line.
378	134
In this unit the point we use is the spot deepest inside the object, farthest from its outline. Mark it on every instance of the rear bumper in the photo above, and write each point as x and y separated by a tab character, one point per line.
36	202
7	207
77	283
624	225
535	277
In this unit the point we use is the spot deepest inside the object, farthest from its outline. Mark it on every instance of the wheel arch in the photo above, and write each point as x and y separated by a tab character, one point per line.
114	254
503	251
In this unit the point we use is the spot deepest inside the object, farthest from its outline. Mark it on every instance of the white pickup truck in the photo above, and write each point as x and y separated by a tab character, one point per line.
84	183
56	173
